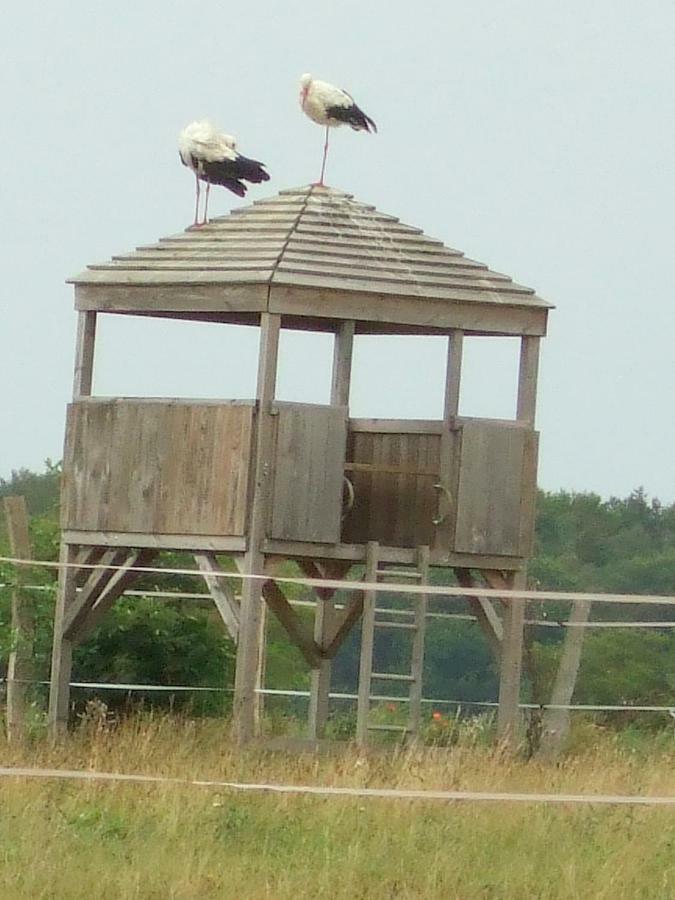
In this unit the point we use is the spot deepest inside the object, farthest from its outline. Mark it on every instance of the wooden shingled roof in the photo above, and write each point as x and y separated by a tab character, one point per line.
313	253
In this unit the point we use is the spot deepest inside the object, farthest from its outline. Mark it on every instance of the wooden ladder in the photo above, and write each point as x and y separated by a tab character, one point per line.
372	621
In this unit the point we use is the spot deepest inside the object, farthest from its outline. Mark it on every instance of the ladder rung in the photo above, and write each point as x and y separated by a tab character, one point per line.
388	728
392	676
399	573
407	625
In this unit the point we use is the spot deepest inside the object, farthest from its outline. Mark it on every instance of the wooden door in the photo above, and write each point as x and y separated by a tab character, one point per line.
394	467
309	464
496	486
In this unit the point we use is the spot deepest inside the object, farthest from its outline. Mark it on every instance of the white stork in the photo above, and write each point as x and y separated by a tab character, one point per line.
213	157
330	106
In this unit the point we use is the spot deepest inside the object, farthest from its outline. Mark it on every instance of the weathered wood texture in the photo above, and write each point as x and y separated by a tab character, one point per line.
511	663
20	668
156	467
557	721
394	497
367	644
308	472
222	591
84	354
246	709
315	253
62	648
477	480
495	512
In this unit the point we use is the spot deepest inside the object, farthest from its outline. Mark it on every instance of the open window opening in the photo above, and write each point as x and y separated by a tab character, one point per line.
398	377
489	386
138	356
305	366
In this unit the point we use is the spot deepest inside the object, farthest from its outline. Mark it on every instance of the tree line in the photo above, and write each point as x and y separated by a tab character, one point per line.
583	543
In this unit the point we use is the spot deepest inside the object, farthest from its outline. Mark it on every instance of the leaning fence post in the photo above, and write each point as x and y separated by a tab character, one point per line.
556	723
20	667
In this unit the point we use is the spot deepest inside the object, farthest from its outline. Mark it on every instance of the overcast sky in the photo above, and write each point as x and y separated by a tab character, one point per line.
536	136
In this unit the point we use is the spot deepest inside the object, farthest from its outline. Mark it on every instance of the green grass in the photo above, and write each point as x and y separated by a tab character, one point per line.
93	840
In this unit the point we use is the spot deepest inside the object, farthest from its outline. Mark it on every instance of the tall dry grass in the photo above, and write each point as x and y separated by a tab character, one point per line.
92	840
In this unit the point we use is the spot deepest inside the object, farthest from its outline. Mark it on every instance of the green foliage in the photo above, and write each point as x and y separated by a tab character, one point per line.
40	489
583	543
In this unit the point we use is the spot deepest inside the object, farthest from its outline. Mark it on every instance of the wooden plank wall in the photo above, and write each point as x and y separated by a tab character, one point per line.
308	472
162	467
497	472
393	476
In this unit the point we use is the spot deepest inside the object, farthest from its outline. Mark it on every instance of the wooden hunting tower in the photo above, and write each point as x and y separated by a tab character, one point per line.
264	481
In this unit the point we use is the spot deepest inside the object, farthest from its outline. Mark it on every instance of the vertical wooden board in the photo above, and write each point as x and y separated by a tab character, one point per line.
157	467
87	465
394	499
528	506
490	489
308	473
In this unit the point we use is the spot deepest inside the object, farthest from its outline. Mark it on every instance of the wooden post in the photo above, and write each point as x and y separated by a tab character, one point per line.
342	364
420	602
20	670
453	376
84	354
527	379
325	609
367	641
508	716
557	721
62	649
251	616
320	678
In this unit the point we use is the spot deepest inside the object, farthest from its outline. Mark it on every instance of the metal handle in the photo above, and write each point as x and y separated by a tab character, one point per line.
350	497
441	517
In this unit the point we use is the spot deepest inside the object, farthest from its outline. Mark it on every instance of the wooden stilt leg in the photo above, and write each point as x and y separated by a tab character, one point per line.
62	652
367	640
508	716
259	710
248	650
320	678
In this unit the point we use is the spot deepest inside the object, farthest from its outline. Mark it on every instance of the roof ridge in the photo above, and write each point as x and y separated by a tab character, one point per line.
277	261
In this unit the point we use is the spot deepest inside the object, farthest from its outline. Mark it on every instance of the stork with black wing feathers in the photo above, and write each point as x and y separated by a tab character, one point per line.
330	106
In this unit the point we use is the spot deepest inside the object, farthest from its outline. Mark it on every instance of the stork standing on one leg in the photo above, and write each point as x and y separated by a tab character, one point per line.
213	157
330	106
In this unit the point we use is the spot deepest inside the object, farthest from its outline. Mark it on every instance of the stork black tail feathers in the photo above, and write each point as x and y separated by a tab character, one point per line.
231	173
352	116
360	121
237	187
251	170
370	125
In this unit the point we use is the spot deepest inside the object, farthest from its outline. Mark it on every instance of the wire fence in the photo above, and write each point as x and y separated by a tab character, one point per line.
434	591
346	697
412	590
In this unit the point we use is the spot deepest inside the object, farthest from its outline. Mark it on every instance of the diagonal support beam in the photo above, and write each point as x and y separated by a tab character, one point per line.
92	588
485	613
86	556
121	580
295	627
221	591
344	621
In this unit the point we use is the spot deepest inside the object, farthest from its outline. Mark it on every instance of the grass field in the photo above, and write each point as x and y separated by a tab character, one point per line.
87	840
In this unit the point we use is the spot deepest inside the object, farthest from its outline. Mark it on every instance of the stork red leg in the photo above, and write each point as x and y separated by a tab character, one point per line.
323	162
196	221
206	204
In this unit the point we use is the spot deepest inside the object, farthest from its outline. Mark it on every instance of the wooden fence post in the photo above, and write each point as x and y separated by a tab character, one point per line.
556	723
20	668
